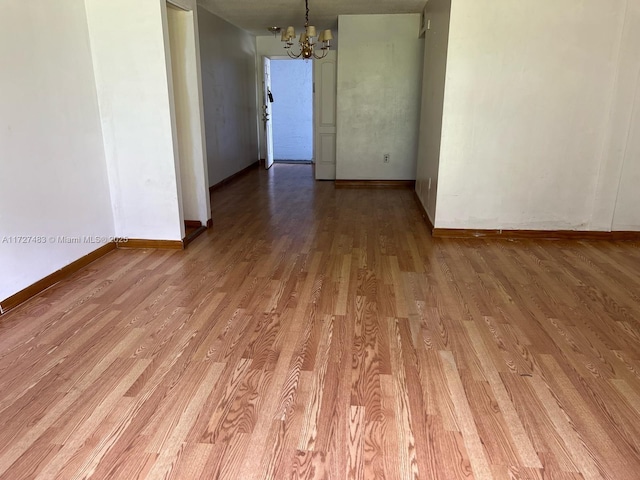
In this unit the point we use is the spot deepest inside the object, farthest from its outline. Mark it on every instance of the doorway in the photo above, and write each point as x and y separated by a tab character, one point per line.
323	91
187	119
292	110
288	111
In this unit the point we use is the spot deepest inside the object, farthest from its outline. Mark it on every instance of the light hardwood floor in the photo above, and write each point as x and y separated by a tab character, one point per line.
321	333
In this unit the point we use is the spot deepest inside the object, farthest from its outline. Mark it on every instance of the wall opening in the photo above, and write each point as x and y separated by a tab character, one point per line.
188	120
292	110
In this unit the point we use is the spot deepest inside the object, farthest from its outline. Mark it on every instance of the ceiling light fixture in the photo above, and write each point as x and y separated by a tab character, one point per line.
308	40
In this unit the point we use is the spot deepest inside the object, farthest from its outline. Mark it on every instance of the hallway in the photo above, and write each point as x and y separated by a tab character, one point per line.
317	332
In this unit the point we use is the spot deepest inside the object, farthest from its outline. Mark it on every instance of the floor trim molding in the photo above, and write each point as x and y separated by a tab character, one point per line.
523	234
141	243
535	234
375	183
235	176
50	280
294	162
192	223
193	235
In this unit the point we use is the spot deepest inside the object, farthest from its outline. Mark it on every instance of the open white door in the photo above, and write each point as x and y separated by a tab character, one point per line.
266	113
325	93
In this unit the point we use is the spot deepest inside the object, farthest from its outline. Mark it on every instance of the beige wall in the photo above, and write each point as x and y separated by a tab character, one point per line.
535	101
378	103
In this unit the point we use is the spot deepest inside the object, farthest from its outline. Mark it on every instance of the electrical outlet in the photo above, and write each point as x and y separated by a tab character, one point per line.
386	158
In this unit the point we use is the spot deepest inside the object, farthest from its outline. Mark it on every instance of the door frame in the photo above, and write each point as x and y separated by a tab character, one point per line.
263	145
263	140
199	174
324	119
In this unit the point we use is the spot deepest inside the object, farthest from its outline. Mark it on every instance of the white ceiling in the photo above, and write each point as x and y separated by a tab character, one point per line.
256	15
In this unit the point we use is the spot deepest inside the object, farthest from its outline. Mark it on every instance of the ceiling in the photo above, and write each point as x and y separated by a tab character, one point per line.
256	15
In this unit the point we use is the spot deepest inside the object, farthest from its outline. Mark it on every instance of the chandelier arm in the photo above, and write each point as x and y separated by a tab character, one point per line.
324	54
293	55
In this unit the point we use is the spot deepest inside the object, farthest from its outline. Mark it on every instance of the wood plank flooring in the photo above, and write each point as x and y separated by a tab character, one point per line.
319	333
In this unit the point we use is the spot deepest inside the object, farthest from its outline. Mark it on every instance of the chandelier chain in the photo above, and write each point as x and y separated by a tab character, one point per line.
306	3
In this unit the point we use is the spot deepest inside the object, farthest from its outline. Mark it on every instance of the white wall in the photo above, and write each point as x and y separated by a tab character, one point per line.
379	86
292	111
433	77
129	44
530	114
53	177
189	113
228	56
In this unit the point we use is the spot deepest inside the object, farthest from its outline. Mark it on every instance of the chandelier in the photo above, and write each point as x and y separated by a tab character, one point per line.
308	40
